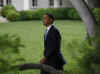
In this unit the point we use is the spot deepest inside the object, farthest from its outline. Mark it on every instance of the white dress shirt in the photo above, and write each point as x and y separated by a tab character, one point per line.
48	28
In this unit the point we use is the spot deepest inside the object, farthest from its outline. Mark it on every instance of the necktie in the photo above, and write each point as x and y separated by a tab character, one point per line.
45	36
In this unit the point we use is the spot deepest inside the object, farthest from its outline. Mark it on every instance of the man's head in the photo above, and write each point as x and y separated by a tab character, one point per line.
48	19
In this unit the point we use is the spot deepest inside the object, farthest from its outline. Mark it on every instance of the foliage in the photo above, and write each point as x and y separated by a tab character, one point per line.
89	58
5	10
13	15
31	33
59	13
72	14
37	14
96	12
26	15
9	52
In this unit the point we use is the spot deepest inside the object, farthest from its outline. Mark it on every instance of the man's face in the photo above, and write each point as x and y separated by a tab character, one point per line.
47	20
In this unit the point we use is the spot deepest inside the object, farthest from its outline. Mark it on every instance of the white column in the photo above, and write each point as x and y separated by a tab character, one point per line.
43	3
18	4
21	4
4	3
14	3
26	5
56	3
30	4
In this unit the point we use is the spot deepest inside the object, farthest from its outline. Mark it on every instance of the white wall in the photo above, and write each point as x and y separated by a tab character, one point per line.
56	3
43	3
21	4
67	3
18	4
26	5
30	4
14	3
4	2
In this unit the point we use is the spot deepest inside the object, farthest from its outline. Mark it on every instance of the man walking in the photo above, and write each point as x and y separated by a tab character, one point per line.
52	45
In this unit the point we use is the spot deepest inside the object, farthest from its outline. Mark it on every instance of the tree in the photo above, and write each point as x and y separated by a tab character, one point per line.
88	18
93	31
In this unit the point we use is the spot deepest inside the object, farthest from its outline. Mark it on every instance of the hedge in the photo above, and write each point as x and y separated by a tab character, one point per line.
37	14
59	13
6	9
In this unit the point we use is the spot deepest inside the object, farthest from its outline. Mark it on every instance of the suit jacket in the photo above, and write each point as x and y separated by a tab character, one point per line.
52	45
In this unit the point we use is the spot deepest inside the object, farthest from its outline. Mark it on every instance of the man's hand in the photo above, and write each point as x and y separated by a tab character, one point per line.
43	60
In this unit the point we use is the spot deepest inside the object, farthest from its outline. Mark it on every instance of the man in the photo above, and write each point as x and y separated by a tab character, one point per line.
52	45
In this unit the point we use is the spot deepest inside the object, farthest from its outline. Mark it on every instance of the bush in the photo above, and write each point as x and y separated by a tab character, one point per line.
58	13
96	12
5	10
61	13
26	15
9	52
36	15
72	14
86	56
10	13
13	15
39	13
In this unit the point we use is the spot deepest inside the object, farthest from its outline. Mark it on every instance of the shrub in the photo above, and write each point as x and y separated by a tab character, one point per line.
36	15
5	10
72	14
13	15
60	13
9	52
26	15
96	12
39	13
86	56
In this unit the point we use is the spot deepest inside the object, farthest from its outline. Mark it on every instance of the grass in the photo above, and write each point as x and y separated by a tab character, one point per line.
31	33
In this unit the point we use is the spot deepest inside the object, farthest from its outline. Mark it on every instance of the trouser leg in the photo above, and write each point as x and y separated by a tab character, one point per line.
43	72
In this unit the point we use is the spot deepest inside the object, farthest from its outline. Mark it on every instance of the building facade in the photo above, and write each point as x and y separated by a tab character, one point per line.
35	4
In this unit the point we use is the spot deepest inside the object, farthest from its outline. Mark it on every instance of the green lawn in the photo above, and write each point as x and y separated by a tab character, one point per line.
31	33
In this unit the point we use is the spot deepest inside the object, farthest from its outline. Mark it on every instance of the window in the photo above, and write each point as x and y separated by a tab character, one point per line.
60	2
1	2
34	3
51	3
8	2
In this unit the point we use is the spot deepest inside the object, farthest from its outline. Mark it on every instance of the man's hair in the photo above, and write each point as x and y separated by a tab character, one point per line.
50	16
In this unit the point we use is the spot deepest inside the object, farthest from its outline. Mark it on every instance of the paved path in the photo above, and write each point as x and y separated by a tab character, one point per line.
3	20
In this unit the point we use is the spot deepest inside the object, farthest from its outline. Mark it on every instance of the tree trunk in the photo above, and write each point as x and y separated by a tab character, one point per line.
92	27
87	16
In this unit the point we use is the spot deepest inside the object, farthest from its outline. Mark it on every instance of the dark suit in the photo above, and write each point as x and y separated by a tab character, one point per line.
52	52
